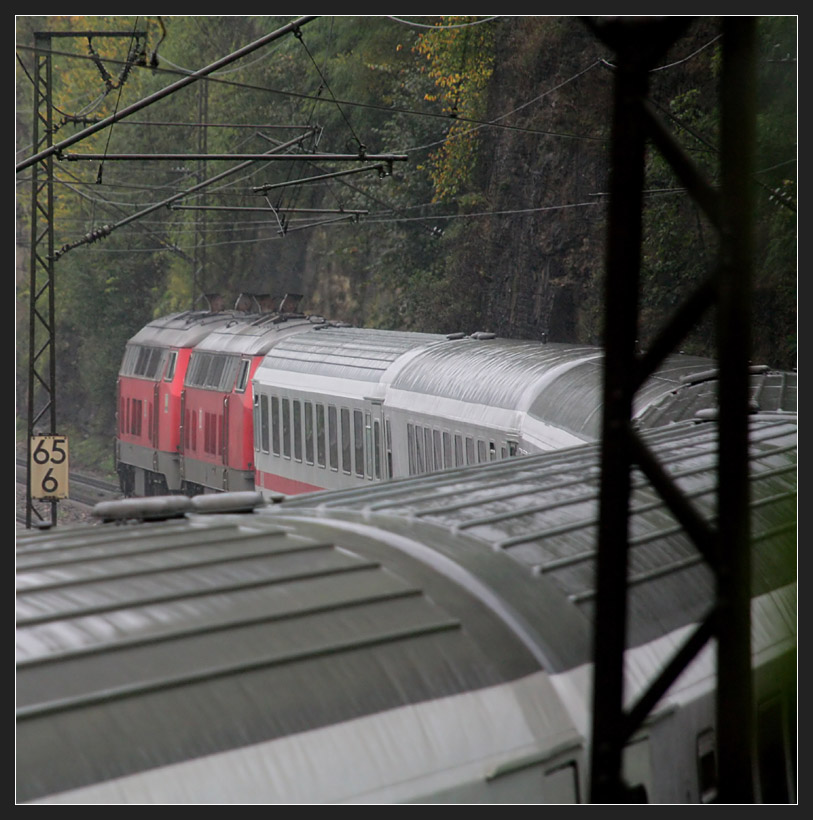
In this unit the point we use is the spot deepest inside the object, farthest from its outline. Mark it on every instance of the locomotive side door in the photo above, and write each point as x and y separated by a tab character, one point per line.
224	438
183	434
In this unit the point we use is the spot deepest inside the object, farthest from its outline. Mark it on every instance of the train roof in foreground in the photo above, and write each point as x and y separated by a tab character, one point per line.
367	645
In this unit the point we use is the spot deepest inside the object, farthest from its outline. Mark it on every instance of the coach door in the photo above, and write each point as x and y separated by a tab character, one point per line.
375	441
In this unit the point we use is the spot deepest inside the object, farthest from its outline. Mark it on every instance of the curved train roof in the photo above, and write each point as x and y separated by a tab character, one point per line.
559	385
353	354
185	329
495	372
209	639
770	391
527	528
255	335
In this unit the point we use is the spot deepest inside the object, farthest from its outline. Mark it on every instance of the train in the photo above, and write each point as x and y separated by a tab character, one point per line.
281	402
425	640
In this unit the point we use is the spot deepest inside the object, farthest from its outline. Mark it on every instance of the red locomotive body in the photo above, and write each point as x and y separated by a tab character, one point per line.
150	383
217	440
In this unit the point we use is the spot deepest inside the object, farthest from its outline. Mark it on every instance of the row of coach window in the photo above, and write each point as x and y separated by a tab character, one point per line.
431	449
319	434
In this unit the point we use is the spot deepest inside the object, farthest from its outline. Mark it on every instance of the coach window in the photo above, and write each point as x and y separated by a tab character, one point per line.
320	434
377	448
345	416
458	450
772	756
173	358
368	445
411	448
297	428
492	451
274	425
481	451
286	428
427	446
358	442
437	449
447	449
308	408
242	378
388	434
419	465
469	450
707	766
333	437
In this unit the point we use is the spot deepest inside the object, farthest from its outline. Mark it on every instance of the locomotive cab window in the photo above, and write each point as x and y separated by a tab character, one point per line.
242	376
173	360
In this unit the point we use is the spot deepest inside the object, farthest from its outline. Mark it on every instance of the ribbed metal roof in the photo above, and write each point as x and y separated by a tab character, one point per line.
770	392
143	646
139	647
360	354
539	515
573	399
494	372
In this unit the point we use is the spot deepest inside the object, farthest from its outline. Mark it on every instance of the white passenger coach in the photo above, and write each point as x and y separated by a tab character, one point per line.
338	407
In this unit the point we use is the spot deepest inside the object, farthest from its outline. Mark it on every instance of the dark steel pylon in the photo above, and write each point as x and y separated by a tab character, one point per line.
638	43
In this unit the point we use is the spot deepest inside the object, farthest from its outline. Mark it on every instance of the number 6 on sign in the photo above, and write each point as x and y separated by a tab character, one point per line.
49	467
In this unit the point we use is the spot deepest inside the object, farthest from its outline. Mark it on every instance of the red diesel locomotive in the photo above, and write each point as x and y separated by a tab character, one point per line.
184	397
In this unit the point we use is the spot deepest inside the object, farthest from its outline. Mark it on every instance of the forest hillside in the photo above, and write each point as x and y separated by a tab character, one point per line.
467	189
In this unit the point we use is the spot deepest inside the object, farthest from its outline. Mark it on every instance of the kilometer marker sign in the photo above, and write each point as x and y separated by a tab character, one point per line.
49	467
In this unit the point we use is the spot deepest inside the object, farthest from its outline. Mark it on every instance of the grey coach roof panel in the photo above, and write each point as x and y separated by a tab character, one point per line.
360	354
573	399
539	513
769	392
182	631
494	372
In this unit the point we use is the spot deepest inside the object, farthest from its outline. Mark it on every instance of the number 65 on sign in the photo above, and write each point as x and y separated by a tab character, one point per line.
49	467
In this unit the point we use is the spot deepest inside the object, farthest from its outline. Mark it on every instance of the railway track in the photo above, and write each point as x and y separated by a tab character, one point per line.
85	492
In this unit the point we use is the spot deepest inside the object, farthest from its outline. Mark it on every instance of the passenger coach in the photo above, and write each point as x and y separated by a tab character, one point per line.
427	640
344	406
